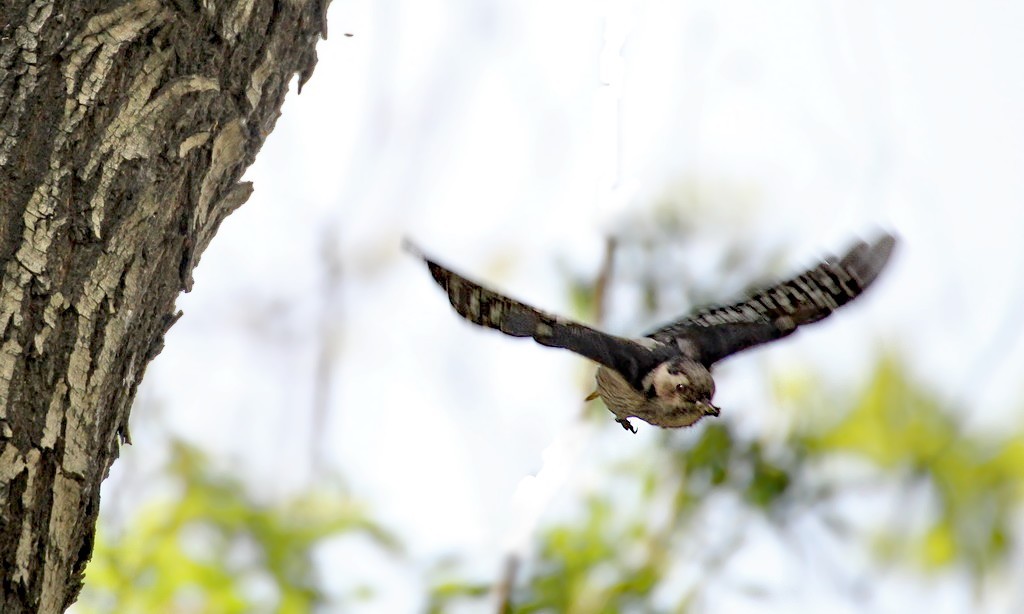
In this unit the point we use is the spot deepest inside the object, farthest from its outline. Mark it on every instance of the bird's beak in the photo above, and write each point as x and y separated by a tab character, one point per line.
711	410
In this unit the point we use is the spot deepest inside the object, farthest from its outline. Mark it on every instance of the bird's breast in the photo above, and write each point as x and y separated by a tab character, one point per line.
627	402
619	397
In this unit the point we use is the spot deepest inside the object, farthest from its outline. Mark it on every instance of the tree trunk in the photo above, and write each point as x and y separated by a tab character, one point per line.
124	128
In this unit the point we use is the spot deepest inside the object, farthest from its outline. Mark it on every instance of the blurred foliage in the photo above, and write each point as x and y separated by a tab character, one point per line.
617	557
642	543
977	481
655	530
215	549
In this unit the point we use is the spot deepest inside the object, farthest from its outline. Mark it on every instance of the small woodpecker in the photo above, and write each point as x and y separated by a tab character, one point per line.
664	378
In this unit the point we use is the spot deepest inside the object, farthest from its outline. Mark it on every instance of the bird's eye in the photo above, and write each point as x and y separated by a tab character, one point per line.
680	388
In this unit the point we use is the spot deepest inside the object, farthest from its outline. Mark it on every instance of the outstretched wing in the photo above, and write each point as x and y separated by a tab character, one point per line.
714	333
486	307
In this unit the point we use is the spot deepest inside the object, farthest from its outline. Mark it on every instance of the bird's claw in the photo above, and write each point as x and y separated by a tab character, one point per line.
626	425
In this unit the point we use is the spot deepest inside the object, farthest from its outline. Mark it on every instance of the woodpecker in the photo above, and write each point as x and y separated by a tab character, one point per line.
664	378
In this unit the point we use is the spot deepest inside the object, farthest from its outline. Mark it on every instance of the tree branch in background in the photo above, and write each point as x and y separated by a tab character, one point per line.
601	286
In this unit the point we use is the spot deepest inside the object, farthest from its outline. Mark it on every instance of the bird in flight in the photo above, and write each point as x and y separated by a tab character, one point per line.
664	378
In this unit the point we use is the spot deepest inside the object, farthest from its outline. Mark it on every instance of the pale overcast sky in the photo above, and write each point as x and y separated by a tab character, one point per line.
508	138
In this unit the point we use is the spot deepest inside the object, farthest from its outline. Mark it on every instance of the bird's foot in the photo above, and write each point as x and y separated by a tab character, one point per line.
626	425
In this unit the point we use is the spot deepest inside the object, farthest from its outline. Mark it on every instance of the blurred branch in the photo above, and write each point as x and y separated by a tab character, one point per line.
600	290
603	279
508	579
326	352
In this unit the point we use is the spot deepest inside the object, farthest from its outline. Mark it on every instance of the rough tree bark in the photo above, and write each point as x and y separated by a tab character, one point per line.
124	128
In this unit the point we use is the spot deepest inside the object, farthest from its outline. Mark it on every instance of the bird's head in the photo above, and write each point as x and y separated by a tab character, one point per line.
682	388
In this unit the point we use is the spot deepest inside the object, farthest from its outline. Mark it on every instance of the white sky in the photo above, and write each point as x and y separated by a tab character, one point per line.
508	138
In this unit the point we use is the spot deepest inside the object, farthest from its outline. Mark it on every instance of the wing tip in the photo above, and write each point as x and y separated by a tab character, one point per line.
866	260
411	248
440	273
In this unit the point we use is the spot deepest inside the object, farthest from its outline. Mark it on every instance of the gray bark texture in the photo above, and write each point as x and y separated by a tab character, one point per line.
125	126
